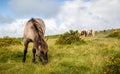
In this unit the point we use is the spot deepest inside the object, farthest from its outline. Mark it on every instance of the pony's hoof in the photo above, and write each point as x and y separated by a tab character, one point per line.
23	61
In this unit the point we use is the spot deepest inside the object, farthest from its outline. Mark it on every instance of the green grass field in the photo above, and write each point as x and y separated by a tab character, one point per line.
77	58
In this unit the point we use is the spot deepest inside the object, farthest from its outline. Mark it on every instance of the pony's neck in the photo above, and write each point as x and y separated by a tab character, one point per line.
42	42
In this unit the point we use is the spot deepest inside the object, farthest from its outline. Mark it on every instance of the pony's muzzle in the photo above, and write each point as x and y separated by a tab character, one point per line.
44	61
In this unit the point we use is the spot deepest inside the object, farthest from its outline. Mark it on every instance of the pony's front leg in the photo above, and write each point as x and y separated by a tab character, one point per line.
25	50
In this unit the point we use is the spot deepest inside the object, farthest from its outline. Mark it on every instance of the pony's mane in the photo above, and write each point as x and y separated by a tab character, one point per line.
40	39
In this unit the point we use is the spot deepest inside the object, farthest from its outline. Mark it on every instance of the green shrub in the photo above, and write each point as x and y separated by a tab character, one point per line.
69	37
112	65
115	33
9	41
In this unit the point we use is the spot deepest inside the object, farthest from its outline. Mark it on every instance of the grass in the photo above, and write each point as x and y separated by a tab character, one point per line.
78	58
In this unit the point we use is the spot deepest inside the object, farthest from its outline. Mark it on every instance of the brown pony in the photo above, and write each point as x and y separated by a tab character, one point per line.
83	32
34	32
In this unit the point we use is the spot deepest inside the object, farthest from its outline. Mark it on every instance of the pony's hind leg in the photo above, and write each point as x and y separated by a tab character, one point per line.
34	51
25	49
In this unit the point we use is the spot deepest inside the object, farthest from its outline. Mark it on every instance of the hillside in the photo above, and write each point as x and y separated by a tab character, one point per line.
79	58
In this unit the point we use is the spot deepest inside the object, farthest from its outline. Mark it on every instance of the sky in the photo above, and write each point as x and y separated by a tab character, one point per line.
59	15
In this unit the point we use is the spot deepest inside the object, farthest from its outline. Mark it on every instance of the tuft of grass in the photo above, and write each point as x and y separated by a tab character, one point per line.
5	55
11	56
112	64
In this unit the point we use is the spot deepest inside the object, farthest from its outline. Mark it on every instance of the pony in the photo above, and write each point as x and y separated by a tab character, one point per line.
91	32
34	32
83	32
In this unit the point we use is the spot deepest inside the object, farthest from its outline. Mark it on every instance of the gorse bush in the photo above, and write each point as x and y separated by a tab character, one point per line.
68	37
112	65
9	41
115	33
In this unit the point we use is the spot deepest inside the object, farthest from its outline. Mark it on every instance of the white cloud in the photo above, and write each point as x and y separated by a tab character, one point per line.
46	8
14	29
51	27
96	14
73	14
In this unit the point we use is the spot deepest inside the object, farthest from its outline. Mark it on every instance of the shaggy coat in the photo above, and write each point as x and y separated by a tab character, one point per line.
34	32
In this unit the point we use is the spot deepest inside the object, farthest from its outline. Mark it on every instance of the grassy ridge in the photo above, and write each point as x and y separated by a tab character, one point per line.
115	34
78	58
9	41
